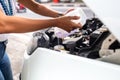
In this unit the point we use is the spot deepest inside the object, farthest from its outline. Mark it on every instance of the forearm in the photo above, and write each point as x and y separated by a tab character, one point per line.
39	8
20	25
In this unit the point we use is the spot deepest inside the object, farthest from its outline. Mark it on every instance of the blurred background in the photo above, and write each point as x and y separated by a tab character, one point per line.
58	1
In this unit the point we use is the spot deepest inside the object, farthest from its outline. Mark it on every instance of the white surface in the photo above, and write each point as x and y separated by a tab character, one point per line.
109	13
44	0
47	64
3	37
78	12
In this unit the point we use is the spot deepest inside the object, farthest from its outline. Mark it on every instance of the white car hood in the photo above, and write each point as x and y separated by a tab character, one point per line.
108	12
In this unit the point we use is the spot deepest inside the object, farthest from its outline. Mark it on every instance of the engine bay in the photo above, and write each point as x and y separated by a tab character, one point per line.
93	41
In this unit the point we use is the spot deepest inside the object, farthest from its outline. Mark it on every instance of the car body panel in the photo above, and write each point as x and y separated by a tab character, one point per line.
47	64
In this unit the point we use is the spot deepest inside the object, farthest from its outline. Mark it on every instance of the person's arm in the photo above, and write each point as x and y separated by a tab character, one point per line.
13	24
39	8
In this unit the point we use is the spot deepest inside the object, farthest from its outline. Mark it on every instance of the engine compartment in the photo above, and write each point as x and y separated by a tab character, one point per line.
93	41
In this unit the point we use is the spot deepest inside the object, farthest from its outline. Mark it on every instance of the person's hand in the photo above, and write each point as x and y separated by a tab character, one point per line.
66	12
66	23
69	10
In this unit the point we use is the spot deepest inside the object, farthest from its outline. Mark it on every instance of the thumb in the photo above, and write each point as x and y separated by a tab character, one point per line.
69	11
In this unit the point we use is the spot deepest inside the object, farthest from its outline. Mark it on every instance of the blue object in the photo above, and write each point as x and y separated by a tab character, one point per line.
5	67
7	8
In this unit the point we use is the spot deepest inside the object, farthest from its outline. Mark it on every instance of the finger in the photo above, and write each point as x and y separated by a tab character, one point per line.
78	25
70	29
74	17
69	10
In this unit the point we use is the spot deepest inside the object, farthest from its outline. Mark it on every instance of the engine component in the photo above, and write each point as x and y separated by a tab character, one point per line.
86	42
39	40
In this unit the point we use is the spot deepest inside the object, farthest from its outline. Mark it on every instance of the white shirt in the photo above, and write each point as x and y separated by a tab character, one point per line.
3	37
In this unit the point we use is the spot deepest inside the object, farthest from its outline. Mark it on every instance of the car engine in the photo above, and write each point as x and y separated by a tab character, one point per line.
93	41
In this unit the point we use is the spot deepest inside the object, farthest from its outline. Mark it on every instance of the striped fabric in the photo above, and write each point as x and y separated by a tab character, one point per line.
8	7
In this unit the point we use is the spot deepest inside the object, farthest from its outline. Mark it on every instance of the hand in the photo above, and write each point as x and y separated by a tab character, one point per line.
66	23
69	10
63	14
